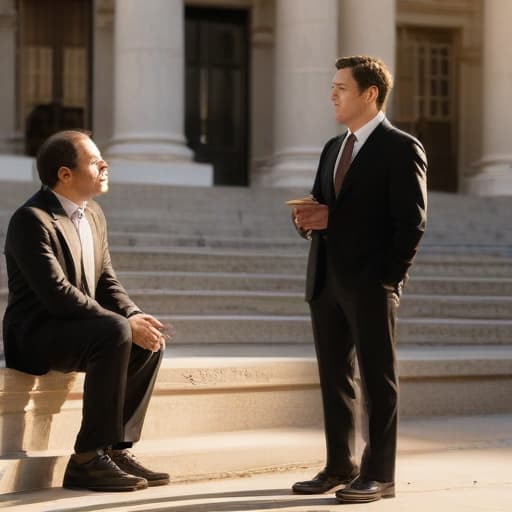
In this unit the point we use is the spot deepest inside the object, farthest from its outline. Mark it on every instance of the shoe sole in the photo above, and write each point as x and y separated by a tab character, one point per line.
97	488
331	489
353	498
154	483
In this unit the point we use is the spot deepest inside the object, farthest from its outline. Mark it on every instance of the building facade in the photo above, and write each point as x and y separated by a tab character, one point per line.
237	92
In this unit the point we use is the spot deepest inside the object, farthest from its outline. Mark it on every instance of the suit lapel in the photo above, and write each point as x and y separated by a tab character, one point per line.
98	247
65	227
364	157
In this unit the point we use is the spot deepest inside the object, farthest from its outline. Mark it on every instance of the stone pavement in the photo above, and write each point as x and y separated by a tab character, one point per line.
450	464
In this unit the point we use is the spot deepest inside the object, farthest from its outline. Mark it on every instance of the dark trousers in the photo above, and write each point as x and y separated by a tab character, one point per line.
119	376
346	325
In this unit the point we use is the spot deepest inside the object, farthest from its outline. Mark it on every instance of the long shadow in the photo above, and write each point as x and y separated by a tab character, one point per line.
286	500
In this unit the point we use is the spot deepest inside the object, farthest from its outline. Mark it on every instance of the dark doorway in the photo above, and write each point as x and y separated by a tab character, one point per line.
216	91
424	98
54	67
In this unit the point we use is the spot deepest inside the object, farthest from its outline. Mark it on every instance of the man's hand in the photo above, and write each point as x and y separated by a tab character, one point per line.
149	333
311	217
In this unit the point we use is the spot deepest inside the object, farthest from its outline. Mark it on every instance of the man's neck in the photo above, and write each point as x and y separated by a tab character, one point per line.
362	120
68	194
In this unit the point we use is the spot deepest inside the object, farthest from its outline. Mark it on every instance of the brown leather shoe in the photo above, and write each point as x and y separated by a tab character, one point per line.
129	463
323	482
100	474
365	491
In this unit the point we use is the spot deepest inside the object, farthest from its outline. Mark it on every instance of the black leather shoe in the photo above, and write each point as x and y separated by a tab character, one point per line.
128	463
100	474
365	491
323	482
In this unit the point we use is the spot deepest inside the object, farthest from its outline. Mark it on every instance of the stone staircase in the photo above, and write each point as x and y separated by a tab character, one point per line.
225	266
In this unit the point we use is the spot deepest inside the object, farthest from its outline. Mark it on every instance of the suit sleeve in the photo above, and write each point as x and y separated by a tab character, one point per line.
110	293
408	208
30	245
316	191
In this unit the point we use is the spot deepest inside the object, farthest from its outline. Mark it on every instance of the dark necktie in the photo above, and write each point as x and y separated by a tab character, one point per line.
85	234
344	164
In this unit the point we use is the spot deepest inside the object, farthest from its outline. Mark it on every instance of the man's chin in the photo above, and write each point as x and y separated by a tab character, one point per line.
103	189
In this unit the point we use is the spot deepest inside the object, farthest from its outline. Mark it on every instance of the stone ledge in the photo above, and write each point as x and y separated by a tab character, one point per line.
195	395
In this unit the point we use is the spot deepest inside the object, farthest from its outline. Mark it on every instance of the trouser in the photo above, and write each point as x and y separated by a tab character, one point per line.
348	324
119	375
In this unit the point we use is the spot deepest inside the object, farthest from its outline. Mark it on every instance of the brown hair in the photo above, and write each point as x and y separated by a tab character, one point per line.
368	71
58	150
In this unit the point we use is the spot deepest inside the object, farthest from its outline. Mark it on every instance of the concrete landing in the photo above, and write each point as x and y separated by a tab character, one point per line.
444	464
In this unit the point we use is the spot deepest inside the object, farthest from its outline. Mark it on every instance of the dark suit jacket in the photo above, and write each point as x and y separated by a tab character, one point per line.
379	217
43	256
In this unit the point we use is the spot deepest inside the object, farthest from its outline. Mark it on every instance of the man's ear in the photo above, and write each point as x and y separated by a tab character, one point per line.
371	94
64	174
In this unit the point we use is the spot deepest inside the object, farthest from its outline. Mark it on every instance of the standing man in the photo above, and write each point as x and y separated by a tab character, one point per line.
365	223
68	312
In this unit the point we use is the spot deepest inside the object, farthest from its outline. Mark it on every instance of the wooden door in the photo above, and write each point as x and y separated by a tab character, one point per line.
54	68
216	91
424	99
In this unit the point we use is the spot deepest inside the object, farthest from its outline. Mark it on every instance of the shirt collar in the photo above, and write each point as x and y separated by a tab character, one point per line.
366	130
69	206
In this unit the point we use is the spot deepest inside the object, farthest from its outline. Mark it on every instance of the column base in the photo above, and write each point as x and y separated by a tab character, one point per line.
148	149
151	172
495	179
291	170
18	168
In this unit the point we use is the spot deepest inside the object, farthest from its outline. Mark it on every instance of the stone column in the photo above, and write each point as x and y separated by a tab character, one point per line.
149	80
306	36
103	72
8	76
495	167
368	27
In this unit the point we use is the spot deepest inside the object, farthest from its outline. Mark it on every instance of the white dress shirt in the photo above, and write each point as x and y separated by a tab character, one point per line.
361	137
84	233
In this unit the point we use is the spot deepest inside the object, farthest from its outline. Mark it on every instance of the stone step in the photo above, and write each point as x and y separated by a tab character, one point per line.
238	281
284	303
284	330
417	285
207	260
467	285
274	282
456	306
290	263
150	239
220	302
194	457
196	329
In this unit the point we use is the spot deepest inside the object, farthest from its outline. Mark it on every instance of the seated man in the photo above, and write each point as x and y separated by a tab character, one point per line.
68	312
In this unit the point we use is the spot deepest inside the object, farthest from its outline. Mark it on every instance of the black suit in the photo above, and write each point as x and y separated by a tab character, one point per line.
51	322
355	270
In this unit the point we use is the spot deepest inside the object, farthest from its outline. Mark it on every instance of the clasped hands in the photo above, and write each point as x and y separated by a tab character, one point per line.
311	216
149	333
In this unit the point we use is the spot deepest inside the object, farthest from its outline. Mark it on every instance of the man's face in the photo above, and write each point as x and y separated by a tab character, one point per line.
90	177
348	101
